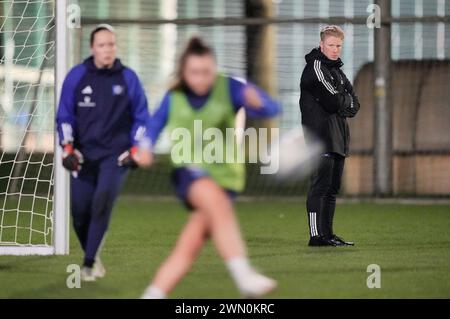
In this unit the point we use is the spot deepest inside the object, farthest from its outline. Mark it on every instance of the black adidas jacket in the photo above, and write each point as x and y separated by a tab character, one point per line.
327	99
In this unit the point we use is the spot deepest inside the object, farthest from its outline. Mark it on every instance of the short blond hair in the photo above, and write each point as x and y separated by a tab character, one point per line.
331	30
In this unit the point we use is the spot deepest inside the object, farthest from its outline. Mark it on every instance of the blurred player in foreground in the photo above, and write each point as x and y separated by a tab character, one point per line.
200	93
101	121
327	100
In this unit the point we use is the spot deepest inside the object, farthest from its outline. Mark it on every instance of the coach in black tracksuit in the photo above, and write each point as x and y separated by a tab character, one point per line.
327	100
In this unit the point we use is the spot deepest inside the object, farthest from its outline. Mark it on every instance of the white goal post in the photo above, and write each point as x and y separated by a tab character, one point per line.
34	187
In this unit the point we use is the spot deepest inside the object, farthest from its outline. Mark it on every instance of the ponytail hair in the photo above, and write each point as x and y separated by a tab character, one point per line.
195	46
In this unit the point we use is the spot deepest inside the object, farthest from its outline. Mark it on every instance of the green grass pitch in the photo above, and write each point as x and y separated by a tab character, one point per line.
411	244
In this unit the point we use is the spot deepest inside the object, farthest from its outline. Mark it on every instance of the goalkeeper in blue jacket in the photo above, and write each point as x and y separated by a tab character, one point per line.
101	121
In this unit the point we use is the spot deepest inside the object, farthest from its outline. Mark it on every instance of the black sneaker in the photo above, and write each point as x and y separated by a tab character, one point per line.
317	241
341	242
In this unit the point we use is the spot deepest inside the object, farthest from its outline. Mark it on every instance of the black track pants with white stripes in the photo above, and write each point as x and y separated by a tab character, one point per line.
321	201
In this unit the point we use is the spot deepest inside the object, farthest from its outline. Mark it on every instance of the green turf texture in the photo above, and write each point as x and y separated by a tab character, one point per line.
411	244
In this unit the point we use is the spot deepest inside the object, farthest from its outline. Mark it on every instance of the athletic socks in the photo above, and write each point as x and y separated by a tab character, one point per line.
153	292
250	283
239	267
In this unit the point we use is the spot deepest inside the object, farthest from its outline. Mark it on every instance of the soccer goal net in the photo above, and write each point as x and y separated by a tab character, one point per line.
30	216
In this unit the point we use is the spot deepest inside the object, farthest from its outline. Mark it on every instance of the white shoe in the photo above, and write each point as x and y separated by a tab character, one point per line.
256	285
98	270
87	274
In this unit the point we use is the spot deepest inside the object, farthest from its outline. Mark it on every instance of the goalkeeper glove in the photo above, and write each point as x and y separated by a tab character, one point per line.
128	158
72	158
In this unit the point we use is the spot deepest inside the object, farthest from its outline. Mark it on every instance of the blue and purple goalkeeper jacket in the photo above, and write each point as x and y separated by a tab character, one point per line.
103	112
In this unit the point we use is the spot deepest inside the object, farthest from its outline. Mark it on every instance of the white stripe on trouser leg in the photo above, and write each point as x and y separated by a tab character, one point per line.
313	224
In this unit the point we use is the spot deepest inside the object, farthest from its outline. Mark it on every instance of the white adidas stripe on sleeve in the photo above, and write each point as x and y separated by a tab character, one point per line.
321	77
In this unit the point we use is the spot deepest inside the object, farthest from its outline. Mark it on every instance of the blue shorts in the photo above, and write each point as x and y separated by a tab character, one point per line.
183	177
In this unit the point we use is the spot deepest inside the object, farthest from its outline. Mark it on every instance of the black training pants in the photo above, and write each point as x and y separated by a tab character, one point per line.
321	201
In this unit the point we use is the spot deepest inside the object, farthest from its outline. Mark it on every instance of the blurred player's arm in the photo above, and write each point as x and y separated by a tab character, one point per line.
140	152
159	119
316	82
153	127
257	103
65	120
